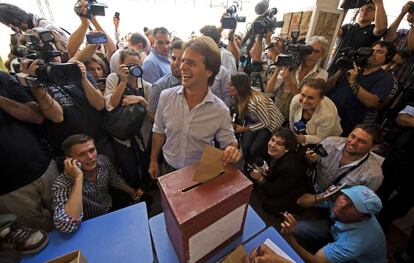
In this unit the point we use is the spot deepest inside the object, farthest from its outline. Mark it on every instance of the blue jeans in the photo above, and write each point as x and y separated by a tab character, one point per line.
313	234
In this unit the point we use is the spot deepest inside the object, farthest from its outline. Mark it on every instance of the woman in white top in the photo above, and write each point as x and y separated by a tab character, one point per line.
259	113
313	116
127	151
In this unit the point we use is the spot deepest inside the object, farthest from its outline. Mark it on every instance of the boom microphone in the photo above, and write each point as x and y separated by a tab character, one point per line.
261	7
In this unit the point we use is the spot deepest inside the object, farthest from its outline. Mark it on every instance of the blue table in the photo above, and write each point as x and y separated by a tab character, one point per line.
166	252
272	234
120	236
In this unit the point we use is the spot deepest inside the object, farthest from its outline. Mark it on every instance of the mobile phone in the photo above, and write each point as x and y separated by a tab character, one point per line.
116	15
96	38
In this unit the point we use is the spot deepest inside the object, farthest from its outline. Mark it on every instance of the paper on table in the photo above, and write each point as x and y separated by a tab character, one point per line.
277	250
210	165
236	256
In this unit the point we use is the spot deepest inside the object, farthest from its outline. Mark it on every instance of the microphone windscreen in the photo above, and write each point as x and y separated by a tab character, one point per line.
261	7
259	162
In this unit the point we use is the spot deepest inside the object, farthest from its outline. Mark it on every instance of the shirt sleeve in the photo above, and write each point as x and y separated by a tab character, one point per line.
111	85
408	110
154	98
159	126
61	190
224	83
341	251
14	90
225	134
260	108
383	86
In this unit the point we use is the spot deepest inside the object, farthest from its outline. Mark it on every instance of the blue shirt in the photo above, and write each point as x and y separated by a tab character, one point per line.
188	131
155	66
219	86
351	110
357	242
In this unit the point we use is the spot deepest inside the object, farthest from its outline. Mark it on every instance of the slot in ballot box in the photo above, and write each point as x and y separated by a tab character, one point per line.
201	218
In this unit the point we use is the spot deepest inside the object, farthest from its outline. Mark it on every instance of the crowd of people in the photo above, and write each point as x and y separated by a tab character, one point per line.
336	141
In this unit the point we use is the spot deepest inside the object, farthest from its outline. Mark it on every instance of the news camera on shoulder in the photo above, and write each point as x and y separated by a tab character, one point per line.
39	46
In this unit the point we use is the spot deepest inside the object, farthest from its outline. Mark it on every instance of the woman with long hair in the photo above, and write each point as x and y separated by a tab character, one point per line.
259	115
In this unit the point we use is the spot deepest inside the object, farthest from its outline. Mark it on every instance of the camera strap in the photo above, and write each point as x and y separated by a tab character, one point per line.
341	176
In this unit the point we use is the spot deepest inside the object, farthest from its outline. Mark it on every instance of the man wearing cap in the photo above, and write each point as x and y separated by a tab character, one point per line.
353	235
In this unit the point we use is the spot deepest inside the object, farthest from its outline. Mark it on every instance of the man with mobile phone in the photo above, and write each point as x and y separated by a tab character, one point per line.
81	191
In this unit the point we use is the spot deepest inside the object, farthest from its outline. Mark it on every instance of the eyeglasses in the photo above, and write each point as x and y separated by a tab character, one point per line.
160	43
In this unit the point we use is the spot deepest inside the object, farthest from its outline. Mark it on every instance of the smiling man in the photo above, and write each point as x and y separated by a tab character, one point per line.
190	116
354	236
349	161
81	191
359	92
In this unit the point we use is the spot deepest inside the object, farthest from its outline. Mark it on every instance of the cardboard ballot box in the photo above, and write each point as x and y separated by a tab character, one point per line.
201	218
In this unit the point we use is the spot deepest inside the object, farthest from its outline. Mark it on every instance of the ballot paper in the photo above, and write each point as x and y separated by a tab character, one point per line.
210	165
277	250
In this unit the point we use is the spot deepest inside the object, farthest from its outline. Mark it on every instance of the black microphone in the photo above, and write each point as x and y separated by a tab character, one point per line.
261	7
260	165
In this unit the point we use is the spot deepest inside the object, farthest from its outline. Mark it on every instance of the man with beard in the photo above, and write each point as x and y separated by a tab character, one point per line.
349	161
360	91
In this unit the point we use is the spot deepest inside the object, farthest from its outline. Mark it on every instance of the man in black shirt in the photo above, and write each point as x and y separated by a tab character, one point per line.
363	33
69	109
26	168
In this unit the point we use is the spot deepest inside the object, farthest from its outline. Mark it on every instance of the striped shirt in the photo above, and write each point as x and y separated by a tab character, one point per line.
263	111
96	199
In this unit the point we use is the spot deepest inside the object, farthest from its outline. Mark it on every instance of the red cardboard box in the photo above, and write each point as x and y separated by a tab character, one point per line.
202	218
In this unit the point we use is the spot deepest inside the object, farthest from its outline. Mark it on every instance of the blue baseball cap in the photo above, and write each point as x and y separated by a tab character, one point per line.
364	199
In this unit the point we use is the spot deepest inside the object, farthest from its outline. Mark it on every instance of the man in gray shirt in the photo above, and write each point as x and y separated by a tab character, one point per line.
190	116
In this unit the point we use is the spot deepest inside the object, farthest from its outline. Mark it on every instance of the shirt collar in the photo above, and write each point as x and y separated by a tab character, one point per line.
208	98
159	56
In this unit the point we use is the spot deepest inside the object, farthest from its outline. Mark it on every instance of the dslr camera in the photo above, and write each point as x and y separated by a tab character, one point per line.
294	52
231	18
319	150
266	23
348	56
39	45
93	9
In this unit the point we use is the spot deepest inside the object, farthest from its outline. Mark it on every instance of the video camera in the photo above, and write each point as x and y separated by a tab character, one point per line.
93	9
348	56
352	4
231	19
294	52
267	22
39	46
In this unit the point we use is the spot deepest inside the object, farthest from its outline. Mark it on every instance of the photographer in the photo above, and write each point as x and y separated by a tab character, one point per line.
363	33
286	179
348	160
313	116
21	21
361	90
285	83
68	108
125	89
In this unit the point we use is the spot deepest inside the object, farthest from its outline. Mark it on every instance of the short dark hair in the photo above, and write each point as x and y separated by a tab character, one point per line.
160	30
403	53
372	130
13	15
318	84
390	49
209	50
138	38
291	142
128	52
73	140
211	31
177	44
